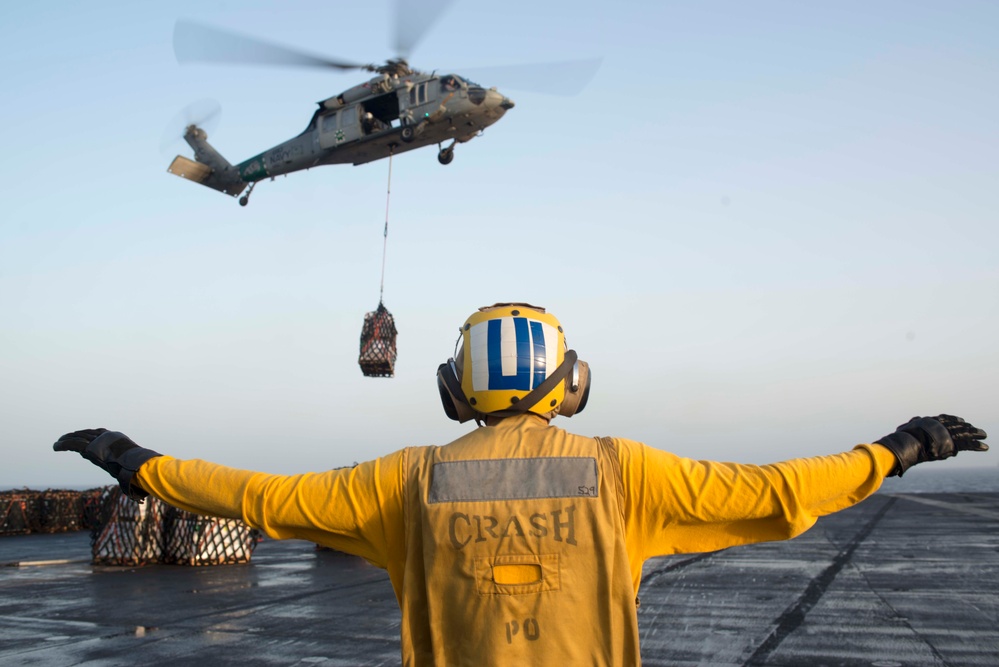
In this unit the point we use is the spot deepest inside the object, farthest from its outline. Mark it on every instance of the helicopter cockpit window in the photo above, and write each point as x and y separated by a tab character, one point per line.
450	83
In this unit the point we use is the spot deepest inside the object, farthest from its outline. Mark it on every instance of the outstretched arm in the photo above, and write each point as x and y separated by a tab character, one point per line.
677	505
356	510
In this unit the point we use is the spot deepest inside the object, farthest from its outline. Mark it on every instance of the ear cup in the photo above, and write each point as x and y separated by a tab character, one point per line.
452	398
447	401
577	390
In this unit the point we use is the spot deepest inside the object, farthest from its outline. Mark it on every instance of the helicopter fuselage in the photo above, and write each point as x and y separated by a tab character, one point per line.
390	114
385	116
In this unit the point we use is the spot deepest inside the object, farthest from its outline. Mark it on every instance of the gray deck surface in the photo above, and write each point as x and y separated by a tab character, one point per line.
897	580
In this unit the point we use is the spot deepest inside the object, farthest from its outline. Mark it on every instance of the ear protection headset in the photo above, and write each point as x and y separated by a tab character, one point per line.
566	388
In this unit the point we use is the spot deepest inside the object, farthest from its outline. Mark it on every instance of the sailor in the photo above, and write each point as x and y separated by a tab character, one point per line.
520	543
368	122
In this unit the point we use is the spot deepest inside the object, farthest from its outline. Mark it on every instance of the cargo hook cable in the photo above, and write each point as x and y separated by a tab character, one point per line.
388	196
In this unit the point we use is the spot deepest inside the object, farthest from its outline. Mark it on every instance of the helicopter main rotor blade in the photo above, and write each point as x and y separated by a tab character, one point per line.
195	42
564	78
413	20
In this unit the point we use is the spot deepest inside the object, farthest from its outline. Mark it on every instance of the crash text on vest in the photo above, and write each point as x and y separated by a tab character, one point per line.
557	524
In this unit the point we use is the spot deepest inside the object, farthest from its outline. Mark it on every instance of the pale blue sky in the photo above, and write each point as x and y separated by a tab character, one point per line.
770	227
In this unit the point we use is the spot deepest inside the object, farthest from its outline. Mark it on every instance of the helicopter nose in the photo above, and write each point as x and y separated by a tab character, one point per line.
496	99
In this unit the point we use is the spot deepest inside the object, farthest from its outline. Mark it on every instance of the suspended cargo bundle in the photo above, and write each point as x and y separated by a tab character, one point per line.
378	351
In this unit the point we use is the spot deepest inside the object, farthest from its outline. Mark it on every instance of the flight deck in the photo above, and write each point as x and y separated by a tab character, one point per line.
898	580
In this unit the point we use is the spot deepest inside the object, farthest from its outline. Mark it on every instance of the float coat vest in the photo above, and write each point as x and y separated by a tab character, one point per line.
516	531
519	543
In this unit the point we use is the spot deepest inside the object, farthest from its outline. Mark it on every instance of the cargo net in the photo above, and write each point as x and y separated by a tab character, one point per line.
50	511
127	533
192	539
378	352
131	533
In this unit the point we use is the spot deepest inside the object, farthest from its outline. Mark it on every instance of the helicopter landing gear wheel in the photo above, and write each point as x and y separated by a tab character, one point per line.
408	133
445	156
245	199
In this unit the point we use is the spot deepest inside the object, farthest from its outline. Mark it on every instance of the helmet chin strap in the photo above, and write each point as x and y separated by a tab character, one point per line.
542	390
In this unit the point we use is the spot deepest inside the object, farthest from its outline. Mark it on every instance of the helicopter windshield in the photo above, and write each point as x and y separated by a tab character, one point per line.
450	82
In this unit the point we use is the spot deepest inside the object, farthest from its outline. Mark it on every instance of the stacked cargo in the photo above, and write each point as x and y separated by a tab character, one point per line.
192	539
25	511
127	533
130	533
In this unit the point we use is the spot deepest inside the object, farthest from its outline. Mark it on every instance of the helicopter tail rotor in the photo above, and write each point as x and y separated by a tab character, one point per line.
208	167
203	114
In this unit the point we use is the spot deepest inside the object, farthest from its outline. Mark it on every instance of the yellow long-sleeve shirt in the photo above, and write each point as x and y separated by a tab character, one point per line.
566	532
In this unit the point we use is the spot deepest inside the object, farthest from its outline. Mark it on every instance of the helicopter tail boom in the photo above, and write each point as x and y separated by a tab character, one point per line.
209	167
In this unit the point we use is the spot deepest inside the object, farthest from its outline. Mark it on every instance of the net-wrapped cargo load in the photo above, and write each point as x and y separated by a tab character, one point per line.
50	511
127	532
90	508
15	512
192	539
60	511
378	350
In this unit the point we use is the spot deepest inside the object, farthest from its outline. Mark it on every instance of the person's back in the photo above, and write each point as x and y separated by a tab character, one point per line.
519	543
513	532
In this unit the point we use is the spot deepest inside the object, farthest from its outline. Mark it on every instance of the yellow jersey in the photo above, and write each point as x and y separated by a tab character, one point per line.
521	543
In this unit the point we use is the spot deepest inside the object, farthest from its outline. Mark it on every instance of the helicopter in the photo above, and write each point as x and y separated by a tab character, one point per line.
399	109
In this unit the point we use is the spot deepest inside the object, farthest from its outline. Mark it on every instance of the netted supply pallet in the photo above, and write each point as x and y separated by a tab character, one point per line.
130	533
127	532
60	511
50	511
90	508
378	350
192	539
15	512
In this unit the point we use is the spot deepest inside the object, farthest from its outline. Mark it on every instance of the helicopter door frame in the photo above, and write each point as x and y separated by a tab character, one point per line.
418	94
344	126
422	96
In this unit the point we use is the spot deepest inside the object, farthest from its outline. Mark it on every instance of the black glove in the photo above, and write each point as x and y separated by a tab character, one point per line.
112	451
931	439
